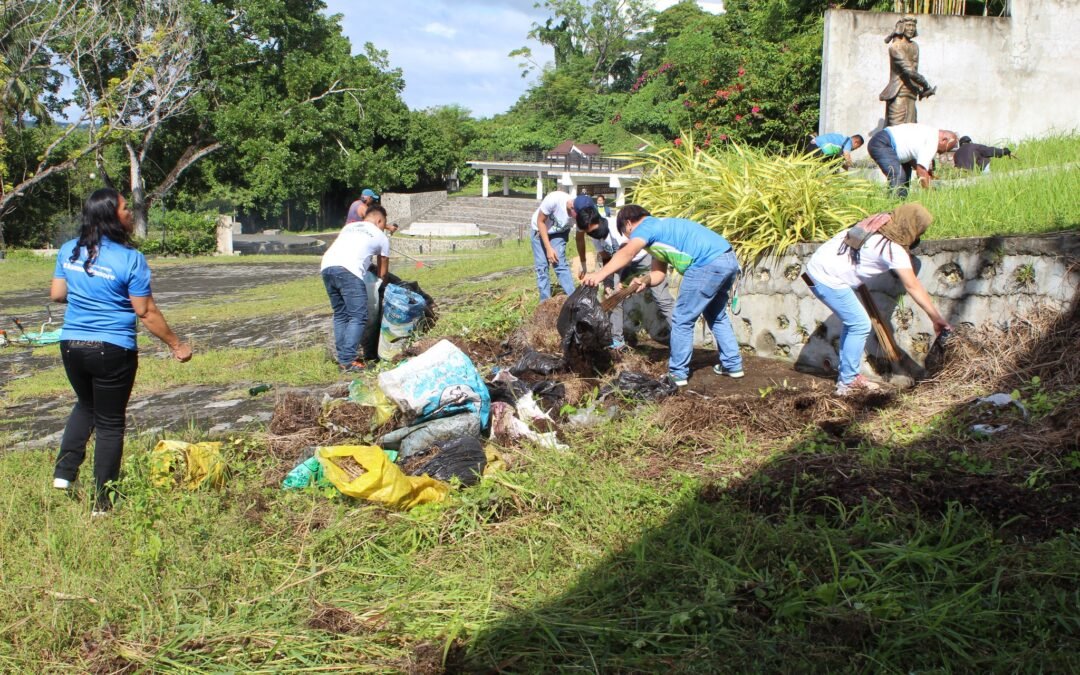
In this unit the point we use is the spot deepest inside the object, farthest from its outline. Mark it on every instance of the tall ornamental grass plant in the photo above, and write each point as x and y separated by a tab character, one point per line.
760	201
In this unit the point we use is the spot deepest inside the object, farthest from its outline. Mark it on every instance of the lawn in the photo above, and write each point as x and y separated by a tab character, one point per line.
1036	193
675	538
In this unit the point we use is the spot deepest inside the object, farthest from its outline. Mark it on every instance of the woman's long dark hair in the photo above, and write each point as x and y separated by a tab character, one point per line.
100	219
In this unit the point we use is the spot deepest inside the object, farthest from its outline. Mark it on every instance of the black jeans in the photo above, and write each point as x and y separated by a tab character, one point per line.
102	377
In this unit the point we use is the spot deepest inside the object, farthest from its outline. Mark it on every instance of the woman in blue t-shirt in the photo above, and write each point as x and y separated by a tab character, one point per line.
106	285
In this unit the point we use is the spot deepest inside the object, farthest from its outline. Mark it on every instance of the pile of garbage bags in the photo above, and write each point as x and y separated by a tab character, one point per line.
445	407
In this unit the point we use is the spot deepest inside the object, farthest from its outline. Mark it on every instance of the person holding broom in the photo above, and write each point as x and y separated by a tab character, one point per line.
875	245
709	267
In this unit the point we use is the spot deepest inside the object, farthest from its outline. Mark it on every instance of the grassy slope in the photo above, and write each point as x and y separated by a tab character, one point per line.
625	553
1036	193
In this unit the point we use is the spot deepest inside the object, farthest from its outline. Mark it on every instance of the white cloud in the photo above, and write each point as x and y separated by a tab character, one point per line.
442	30
455	51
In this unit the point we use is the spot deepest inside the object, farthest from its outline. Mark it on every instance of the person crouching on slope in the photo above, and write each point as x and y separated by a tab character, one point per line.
875	245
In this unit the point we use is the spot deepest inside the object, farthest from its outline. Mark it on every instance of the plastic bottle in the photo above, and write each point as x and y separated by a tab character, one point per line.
259	389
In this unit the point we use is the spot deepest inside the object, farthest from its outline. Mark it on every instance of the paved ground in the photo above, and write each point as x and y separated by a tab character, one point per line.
39	423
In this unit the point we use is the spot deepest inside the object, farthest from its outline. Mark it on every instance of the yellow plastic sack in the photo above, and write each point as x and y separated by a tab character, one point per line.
189	464
381	480
495	461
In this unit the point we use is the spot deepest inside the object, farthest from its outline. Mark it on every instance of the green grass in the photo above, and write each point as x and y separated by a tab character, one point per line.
295	367
570	561
20	271
1036	194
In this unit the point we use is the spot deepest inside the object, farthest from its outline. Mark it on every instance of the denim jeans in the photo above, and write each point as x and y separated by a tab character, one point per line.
348	299
562	269
664	302
102	378
856	326
704	292
881	150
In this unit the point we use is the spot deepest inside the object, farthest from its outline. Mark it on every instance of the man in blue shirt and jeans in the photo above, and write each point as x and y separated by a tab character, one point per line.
709	267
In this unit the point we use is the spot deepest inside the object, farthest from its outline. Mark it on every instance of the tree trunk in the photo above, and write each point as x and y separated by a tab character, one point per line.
138	203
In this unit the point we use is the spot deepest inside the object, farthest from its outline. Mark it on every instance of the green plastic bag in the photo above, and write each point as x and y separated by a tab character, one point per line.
308	472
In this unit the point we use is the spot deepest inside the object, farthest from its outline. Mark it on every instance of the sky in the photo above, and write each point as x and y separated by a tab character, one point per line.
454	51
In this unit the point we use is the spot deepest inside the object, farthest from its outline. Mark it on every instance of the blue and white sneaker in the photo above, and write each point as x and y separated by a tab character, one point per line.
679	382
733	374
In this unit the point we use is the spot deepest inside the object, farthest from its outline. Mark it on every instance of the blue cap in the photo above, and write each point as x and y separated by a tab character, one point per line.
368	192
583	202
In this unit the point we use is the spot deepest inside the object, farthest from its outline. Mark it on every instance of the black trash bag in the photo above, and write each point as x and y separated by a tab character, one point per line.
462	458
507	392
539	363
586	332
551	395
639	386
935	358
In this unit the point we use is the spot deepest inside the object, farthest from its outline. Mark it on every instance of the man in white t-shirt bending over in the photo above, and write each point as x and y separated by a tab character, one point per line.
551	224
343	265
607	240
899	149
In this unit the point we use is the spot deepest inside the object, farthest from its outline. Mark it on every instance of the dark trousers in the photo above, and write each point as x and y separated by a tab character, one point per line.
102	378
881	150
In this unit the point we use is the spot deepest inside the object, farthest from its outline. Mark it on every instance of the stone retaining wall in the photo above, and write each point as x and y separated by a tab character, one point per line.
405	207
973	281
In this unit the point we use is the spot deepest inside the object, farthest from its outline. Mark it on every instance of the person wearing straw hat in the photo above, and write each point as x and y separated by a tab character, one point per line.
876	245
708	264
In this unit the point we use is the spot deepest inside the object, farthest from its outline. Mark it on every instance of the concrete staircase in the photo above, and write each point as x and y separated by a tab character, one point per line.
504	216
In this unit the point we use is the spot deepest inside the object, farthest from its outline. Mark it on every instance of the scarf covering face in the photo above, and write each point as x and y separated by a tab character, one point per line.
908	224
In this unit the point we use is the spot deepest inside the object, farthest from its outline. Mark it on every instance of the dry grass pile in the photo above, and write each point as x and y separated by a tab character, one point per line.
766	420
295	425
481	353
541	332
1043	345
300	421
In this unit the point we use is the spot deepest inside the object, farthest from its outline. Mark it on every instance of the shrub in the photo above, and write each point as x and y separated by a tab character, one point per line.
182	233
761	202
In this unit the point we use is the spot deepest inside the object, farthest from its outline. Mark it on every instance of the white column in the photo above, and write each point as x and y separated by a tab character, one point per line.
539	186
487	183
620	196
506	186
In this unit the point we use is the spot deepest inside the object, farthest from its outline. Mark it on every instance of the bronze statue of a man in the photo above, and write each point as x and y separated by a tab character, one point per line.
906	84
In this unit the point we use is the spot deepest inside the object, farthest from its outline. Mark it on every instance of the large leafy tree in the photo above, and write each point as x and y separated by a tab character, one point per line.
294	110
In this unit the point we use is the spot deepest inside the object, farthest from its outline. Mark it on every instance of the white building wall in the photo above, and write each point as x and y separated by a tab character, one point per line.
998	79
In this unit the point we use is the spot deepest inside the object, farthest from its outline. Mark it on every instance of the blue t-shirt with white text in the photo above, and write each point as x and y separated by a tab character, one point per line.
679	242
99	304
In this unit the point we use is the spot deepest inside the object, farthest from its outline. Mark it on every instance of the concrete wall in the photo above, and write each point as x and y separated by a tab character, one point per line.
426	245
976	281
997	78
402	207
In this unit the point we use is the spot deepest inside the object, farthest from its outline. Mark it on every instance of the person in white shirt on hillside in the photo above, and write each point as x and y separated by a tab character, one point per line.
841	265
343	265
901	149
551	224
